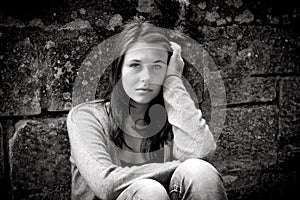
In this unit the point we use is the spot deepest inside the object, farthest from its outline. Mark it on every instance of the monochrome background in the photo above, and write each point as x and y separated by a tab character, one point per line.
254	44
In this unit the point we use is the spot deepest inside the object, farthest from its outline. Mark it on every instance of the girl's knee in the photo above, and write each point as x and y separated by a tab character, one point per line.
149	189
199	165
199	170
198	179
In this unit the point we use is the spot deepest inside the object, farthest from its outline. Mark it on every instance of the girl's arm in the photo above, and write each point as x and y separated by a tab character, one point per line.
89	152
192	137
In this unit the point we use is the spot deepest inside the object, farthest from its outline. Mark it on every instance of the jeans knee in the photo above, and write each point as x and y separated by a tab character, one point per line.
199	171
197	179
149	189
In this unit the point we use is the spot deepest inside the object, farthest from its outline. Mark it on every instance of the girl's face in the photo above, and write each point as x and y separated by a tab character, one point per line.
143	71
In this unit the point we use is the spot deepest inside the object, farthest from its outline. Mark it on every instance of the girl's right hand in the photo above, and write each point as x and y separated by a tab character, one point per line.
176	63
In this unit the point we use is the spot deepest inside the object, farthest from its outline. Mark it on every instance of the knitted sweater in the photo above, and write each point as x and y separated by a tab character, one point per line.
97	172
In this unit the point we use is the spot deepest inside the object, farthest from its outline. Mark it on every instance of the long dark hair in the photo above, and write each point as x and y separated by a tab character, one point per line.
119	100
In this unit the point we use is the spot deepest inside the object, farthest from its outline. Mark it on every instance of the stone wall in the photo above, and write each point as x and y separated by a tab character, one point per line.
254	44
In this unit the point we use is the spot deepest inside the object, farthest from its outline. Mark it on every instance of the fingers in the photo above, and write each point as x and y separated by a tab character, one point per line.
176	51
176	63
176	48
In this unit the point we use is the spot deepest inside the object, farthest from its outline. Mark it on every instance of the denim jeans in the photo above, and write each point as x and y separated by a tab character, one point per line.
193	179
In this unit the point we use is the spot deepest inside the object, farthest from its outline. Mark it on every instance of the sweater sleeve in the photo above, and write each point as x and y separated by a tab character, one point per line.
192	137
90	155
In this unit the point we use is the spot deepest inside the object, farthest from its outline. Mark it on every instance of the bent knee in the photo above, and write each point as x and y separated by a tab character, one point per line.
199	169
200	178
199	165
150	189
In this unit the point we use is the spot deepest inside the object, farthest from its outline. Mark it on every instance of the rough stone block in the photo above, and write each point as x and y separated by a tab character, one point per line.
63	59
248	140
273	50
240	90
39	157
242	12
271	183
44	61
247	148
92	77
251	50
289	121
47	62
233	92
19	73
249	89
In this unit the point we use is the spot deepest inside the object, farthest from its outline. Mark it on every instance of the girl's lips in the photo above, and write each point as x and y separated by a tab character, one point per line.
144	90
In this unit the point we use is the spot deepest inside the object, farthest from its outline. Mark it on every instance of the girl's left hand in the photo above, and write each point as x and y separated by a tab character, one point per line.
176	63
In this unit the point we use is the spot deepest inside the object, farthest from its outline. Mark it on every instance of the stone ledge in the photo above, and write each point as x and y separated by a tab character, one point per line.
39	157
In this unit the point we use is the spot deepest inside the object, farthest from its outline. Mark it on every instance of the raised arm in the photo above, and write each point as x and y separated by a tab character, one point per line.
89	152
192	137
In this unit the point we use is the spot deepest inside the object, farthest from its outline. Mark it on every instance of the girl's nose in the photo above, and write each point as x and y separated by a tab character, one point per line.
145	75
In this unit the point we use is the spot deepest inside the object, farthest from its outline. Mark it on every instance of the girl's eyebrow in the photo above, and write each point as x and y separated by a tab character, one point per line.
135	60
157	61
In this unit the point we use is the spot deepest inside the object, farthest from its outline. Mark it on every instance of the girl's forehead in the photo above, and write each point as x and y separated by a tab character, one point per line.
142	46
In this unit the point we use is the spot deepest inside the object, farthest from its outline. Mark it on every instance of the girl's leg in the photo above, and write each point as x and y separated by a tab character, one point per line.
196	179
144	189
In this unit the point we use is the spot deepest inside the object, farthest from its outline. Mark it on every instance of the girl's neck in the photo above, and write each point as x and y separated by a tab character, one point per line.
137	110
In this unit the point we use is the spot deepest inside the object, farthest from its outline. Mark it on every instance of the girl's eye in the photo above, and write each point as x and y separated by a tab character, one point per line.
134	65
156	67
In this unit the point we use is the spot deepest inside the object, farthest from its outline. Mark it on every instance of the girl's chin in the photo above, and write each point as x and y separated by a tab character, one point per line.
140	101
